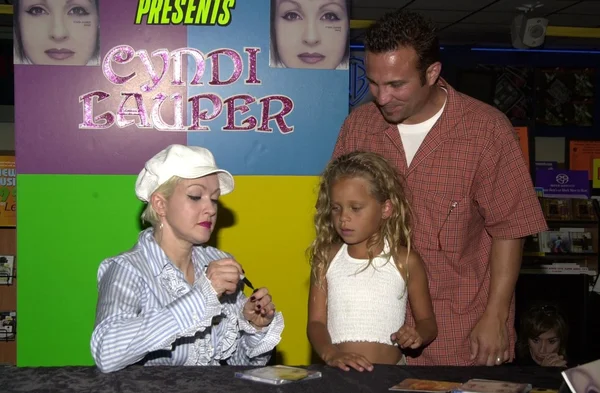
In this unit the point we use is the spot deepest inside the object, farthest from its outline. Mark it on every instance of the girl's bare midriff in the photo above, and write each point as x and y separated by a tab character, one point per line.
375	353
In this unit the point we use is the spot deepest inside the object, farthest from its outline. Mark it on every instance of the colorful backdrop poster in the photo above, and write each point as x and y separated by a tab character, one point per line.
8	192
129	78
103	85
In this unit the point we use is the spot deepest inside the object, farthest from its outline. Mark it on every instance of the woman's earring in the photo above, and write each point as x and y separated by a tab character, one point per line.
159	235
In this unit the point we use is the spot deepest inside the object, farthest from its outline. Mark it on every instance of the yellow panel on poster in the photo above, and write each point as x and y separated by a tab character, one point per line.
596	173
271	244
8	192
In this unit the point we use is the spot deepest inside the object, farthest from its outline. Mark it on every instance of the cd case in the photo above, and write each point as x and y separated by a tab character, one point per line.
278	375
491	386
424	386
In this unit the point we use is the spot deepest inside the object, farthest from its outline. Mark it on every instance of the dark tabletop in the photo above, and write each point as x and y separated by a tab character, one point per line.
215	379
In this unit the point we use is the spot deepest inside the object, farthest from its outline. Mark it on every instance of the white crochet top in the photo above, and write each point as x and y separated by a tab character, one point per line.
364	305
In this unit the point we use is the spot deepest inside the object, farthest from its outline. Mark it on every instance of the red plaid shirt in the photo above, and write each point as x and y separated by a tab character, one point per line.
468	183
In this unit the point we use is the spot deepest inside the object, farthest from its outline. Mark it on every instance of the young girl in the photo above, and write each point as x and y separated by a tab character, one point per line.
363	269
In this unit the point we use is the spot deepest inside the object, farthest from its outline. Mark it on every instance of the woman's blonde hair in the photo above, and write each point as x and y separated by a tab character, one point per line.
166	190
385	184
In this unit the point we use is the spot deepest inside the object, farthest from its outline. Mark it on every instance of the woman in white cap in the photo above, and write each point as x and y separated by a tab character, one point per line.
170	300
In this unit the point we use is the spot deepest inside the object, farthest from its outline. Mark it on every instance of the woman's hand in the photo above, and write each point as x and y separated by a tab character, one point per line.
259	310
554	360
224	276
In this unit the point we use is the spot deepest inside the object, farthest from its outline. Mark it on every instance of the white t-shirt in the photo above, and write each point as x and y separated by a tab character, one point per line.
413	134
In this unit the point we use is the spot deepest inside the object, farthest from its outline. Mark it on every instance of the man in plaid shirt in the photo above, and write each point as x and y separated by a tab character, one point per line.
472	196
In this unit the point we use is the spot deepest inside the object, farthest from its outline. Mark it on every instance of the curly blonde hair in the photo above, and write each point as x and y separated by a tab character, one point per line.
386	184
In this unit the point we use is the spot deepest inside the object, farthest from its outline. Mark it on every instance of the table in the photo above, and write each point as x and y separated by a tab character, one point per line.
215	379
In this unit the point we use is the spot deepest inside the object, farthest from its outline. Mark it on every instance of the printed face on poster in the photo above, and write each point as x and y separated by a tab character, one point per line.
57	32
168	72
310	34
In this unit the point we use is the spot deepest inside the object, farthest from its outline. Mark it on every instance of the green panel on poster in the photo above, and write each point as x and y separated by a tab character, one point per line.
66	225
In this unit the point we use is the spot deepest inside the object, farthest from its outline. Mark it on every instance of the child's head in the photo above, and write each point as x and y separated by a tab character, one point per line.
544	331
361	200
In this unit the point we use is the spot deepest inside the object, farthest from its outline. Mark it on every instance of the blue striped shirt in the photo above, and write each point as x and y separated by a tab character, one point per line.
148	313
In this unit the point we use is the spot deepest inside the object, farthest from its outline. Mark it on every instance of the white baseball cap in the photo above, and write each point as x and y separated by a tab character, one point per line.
187	162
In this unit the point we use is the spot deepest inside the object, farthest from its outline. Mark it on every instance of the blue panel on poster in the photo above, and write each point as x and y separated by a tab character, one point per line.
320	101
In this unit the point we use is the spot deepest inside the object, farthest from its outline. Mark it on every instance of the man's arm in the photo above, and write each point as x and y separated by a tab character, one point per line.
511	210
505	263
489	338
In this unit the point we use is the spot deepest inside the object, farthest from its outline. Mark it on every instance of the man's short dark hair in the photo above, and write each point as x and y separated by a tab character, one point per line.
401	28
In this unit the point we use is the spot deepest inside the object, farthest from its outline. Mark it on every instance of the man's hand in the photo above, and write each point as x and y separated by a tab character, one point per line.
489	341
407	337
